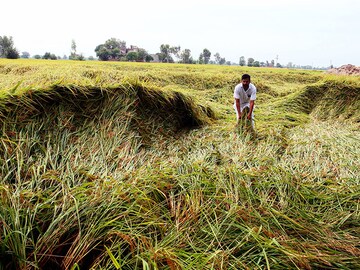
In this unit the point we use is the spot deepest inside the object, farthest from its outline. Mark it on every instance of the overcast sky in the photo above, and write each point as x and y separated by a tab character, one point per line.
304	32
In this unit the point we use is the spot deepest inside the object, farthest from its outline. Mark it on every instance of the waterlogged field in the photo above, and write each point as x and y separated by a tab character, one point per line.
139	166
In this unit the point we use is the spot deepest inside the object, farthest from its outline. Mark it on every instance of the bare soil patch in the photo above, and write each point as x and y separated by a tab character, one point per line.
346	70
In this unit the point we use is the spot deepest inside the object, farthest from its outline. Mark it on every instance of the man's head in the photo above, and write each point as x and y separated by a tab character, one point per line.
245	80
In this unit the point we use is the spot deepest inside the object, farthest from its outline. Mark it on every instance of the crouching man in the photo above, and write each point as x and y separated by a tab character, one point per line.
245	95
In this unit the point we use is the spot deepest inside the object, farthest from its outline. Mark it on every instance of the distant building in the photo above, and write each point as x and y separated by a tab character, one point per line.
132	49
155	58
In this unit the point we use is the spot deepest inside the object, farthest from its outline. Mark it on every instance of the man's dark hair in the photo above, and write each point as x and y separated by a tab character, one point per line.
245	76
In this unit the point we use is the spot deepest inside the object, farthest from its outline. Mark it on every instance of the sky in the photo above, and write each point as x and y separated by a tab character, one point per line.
319	33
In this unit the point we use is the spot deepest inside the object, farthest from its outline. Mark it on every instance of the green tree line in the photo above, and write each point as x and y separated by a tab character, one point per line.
116	50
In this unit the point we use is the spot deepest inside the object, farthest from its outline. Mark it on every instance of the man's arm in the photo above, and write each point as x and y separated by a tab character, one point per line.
237	105
252	102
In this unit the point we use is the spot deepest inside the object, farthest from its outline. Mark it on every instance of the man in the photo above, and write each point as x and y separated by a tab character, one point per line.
245	95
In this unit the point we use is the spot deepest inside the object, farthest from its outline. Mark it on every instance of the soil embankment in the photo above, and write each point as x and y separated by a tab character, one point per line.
345	70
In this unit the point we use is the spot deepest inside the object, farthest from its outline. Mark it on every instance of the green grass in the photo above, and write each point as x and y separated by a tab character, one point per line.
139	166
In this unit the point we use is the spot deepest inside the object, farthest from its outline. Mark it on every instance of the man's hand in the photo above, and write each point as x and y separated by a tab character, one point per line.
238	120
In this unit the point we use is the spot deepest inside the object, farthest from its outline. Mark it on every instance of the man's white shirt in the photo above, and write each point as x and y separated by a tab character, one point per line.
245	96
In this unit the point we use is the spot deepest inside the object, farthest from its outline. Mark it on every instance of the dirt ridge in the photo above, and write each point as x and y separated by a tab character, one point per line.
348	69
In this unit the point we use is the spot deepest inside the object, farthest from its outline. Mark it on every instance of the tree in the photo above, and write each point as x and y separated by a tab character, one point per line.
222	61
7	48
149	58
73	55
206	55
242	61
166	53
48	55
175	51
25	55
37	56
132	56
217	58
80	57
278	65
185	57
256	64
12	54
250	62
141	55
104	53
201	58
112	49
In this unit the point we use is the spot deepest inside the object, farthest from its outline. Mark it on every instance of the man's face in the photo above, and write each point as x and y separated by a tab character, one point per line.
245	83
